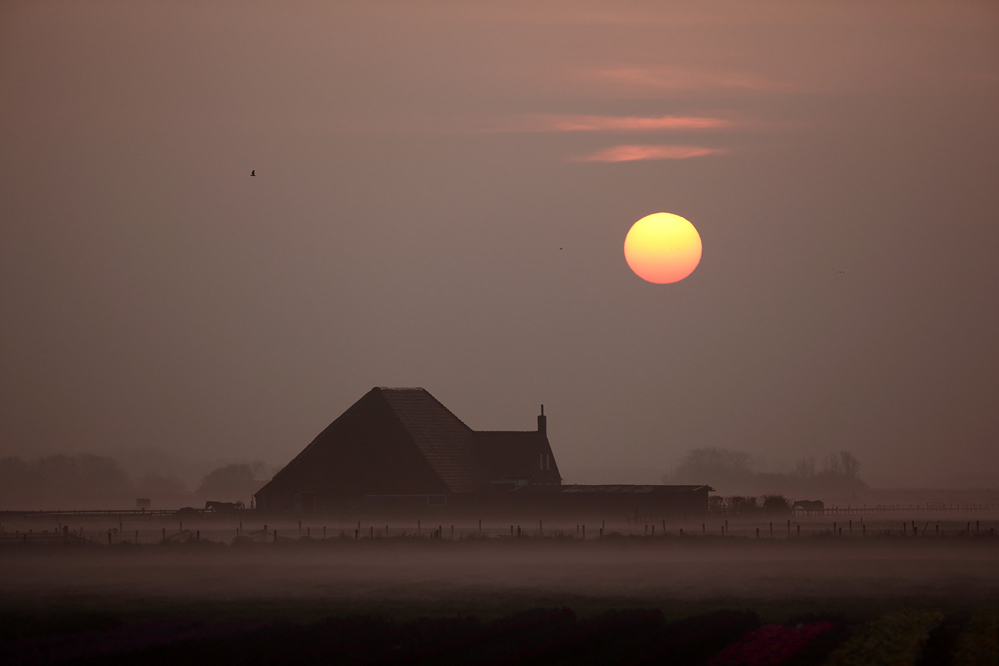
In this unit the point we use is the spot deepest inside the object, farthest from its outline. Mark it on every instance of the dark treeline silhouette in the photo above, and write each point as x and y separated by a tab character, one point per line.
88	481
731	473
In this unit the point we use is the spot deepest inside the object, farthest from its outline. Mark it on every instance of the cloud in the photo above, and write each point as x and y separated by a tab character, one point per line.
580	123
647	152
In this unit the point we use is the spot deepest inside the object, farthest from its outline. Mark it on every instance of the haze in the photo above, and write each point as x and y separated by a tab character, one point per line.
441	198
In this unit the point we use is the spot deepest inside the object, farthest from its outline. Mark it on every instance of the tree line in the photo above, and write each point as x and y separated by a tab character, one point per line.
89	481
731	472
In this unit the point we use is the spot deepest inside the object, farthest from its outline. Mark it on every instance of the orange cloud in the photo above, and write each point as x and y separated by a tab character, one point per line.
578	123
636	153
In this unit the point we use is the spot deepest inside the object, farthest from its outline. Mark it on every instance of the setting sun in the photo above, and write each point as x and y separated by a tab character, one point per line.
662	248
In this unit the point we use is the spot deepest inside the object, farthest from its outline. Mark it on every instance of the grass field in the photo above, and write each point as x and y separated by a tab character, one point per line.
57	592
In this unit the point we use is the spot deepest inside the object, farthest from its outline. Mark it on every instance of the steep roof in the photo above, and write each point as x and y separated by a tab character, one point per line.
445	441
404	441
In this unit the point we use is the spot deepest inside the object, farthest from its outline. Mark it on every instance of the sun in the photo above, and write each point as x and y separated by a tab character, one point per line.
662	248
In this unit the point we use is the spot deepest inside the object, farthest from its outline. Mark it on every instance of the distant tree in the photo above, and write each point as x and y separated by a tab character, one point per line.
805	468
231	483
62	481
776	504
849	464
739	504
156	485
712	465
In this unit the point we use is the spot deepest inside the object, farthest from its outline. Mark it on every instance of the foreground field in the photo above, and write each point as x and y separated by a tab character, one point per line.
210	598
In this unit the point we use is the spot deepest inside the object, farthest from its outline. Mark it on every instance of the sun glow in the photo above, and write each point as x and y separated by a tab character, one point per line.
662	248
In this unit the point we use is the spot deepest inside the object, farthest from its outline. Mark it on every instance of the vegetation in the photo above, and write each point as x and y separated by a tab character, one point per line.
732	472
978	644
534	637
893	638
93	481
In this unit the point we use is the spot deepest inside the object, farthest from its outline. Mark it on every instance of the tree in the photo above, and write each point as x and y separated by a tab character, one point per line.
231	483
805	468
849	464
712	465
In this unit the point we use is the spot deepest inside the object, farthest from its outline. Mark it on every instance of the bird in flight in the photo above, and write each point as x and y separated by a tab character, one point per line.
253	173
838	272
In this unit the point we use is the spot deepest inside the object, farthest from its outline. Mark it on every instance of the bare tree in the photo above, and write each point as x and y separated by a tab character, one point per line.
831	465
805	468
849	464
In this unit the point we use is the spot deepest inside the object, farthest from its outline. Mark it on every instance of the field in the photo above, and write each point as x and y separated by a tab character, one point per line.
548	596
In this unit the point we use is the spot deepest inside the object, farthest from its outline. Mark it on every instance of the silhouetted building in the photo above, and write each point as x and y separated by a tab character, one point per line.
400	448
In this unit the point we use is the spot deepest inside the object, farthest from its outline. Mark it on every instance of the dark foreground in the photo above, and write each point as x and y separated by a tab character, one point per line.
632	601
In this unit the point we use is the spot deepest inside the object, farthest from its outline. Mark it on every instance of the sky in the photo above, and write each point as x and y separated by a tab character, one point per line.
441	198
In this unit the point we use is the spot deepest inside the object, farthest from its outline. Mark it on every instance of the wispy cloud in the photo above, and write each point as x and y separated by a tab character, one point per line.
647	152
580	123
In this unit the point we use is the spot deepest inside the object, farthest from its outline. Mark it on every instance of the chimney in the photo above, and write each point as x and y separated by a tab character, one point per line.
543	422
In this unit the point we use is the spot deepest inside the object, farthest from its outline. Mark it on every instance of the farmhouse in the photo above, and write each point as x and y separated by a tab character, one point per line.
401	449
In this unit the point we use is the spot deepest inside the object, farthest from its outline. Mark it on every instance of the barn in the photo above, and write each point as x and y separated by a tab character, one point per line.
401	449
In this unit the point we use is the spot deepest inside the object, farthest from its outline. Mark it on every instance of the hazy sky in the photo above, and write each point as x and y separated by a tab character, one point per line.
441	200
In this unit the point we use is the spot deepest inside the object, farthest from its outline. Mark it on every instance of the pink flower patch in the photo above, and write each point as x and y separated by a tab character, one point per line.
770	645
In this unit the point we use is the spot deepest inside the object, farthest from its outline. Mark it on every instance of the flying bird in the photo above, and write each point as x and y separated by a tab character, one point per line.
253	173
838	272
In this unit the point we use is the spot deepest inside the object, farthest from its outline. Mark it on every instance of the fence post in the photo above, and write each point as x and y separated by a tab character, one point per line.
771	529
704	528
197	535
799	530
584	531
164	534
863	530
275	536
789	527
757	532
